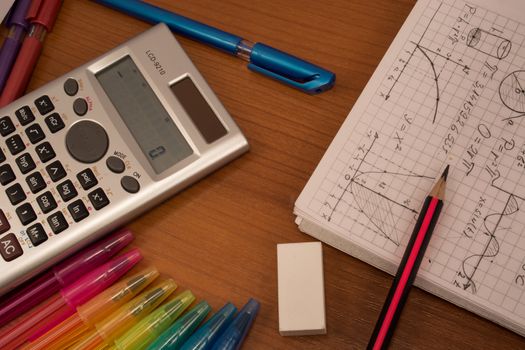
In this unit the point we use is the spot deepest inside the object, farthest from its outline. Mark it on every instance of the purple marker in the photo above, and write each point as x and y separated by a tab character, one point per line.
17	24
61	275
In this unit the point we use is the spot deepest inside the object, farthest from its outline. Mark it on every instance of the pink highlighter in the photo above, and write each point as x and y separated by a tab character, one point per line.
61	275
64	304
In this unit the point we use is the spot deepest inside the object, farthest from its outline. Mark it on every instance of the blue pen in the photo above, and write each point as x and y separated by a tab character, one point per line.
205	336
234	335
261	58
18	26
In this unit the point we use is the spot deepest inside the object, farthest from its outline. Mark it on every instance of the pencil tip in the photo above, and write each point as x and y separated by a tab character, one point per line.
445	173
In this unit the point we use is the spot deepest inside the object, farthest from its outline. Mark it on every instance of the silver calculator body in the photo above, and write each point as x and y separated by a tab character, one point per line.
87	152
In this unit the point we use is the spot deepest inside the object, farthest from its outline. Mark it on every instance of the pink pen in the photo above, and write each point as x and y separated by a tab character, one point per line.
61	275
64	304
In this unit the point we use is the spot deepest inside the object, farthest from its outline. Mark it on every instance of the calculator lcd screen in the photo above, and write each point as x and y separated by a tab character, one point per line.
150	124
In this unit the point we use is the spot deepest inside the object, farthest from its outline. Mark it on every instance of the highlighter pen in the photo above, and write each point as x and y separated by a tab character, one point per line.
206	335
61	275
261	58
94	283
234	335
119	322
42	15
176	335
94	311
63	304
18	26
147	330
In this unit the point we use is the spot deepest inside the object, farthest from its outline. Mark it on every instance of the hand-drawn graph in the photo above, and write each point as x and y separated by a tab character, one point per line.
451	91
512	93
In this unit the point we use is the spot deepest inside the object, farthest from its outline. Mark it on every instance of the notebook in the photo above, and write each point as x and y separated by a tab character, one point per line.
449	90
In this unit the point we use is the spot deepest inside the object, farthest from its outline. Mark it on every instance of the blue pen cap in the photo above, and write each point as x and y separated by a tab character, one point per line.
205	336
289	69
233	337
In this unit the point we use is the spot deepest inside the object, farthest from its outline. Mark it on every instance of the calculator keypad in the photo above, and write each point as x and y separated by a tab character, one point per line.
10	248
78	210
45	152
25	115
47	202
35	134
32	152
56	171
6	126
57	222
26	214
36	182
44	105
6	174
4	224
15	144
54	123
36	234
25	163
16	194
67	190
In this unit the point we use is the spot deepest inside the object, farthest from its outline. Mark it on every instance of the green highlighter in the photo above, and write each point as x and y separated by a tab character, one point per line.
176	335
147	330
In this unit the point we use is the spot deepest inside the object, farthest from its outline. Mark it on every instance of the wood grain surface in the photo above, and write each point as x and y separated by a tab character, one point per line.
219	237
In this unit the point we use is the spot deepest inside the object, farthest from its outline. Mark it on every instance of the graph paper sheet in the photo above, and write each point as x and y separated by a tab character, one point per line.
450	90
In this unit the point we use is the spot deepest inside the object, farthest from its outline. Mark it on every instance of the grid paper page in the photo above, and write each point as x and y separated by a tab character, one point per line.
450	90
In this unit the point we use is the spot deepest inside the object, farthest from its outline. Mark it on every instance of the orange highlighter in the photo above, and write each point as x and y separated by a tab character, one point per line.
95	310
42	15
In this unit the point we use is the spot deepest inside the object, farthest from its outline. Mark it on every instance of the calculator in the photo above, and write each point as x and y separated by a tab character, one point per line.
87	152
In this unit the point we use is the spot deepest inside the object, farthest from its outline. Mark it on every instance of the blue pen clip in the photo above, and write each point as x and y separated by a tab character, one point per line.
289	69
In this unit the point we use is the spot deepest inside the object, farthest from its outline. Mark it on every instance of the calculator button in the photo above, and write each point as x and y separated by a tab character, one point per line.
71	87
78	210
130	184
4	224
15	194
6	174
47	202
87	141
54	122
57	222
36	234
98	198
10	249
115	164
2	156
87	179
35	133
44	104
45	152
25	115
25	163
67	190
80	107
15	144
36	182
25	213
6	126
56	171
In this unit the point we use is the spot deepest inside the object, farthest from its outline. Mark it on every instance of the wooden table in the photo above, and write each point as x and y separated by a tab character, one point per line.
219	237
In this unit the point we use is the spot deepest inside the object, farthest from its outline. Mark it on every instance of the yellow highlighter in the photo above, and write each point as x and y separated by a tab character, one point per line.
66	333
106	331
146	331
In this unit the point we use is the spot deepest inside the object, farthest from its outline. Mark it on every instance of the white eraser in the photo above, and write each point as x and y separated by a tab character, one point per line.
301	289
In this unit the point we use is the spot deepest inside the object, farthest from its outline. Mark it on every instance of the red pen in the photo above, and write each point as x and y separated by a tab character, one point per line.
42	15
407	270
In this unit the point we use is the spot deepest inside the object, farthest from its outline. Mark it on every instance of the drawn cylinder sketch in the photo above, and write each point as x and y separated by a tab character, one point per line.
488	43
